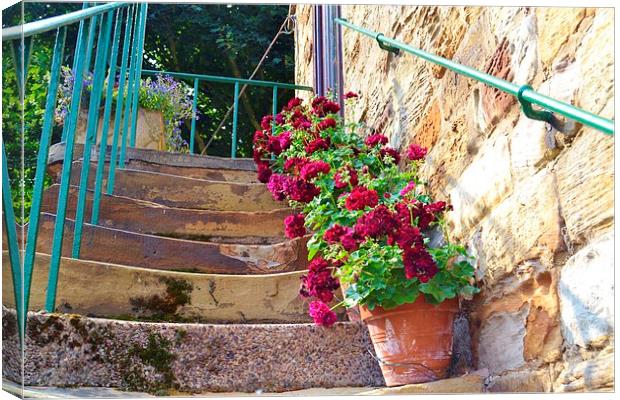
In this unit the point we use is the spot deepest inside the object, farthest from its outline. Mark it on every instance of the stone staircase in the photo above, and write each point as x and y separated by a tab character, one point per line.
187	283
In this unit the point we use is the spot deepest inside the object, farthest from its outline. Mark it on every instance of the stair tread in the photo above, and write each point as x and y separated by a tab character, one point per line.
146	217
118	246
187	192
57	154
202	357
120	291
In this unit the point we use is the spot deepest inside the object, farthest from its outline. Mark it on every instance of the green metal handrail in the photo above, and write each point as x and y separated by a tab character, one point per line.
229	80
524	93
49	24
96	42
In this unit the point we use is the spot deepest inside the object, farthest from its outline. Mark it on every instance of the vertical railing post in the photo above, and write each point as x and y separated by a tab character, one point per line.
192	134
11	233
82	67
233	151
128	116
78	49
94	218
120	99
138	71
103	43
39	179
274	108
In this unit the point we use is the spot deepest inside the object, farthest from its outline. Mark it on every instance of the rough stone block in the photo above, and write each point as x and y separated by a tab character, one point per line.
500	346
585	176
522	381
525	226
586	291
555	25
472	383
596	374
481	186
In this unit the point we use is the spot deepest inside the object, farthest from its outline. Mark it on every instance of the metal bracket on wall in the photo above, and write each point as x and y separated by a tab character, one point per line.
384	46
568	127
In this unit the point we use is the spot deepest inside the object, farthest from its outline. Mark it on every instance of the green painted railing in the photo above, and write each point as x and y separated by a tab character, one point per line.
96	43
101	30
196	78
524	93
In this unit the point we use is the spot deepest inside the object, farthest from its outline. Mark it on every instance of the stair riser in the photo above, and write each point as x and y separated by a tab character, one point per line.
221	358
150	218
223	175
109	290
174	191
156	252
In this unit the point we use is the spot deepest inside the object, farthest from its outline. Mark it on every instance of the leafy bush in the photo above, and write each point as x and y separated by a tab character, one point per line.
371	220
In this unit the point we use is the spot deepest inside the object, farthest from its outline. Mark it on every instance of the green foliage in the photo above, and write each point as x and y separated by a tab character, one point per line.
378	270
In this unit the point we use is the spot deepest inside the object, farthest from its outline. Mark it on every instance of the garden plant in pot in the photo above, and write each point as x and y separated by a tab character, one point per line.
370	220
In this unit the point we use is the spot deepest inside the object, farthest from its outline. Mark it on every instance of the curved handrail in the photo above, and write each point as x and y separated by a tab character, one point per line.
48	24
525	94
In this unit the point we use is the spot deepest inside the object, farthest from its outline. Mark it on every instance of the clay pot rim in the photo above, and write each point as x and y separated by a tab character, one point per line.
448	305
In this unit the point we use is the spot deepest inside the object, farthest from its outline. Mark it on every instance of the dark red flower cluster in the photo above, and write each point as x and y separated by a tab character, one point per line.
292	104
376	139
326	123
350	95
294	226
322	314
317	144
312	169
321	106
335	233
264	172
419	264
299	190
392	153
360	198
277	186
416	152
295	164
378	222
265	123
344	177
319	283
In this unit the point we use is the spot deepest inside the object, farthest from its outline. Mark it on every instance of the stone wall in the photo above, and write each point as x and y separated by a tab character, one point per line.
534	206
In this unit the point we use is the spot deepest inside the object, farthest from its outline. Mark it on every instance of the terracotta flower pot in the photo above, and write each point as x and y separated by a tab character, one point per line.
414	341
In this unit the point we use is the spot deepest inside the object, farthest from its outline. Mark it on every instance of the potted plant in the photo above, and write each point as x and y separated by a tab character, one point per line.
371	222
164	104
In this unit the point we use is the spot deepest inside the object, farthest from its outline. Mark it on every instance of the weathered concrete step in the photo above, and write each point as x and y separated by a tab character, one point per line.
117	291
125	213
156	252
182	192
223	175
70	350
184	164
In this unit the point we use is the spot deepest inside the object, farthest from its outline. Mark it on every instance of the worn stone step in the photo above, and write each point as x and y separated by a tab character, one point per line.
72	350
156	252
233	176
125	213
242	170
118	291
182	192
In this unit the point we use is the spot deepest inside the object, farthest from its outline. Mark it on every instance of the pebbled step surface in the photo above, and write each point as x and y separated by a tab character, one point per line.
156	252
115	291
151	218
190	357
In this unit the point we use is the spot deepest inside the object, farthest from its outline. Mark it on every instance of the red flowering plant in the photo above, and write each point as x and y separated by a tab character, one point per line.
370	219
